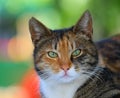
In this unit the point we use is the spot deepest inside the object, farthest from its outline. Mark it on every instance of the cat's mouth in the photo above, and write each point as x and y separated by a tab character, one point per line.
66	77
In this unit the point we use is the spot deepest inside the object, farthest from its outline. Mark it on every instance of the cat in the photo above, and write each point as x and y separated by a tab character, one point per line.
67	62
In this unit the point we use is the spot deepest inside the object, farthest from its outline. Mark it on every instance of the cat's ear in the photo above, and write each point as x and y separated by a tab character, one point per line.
84	25
37	29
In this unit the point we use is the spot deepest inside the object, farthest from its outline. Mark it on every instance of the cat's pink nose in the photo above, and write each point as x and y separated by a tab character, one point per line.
65	68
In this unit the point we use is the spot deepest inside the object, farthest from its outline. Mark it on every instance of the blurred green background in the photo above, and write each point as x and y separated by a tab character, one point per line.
15	43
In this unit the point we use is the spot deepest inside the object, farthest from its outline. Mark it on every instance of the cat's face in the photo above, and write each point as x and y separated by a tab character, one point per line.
63	55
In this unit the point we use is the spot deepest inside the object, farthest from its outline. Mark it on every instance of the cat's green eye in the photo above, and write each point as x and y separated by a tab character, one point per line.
76	53
52	54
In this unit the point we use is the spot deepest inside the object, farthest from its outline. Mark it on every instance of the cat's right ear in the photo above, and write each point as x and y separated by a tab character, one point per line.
84	25
37	29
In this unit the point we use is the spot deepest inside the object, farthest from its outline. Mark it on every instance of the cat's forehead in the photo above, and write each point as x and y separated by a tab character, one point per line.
70	34
67	39
66	34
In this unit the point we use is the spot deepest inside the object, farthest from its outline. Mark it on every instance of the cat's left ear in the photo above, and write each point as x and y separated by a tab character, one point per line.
84	25
38	30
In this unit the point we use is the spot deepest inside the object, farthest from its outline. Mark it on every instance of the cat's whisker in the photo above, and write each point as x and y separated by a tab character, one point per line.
95	75
43	75
98	77
90	77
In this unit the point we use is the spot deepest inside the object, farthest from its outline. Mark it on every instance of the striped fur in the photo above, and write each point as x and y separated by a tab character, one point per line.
109	50
100	85
65	76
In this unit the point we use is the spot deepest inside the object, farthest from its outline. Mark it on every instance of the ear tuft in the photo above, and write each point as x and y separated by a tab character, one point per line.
84	25
37	29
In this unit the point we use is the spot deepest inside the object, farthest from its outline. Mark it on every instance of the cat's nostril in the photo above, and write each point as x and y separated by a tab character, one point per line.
65	68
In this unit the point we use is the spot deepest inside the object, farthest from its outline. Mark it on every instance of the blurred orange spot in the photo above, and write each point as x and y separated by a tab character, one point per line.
13	92
20	49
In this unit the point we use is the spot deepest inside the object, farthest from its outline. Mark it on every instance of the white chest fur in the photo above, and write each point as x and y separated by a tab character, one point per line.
52	89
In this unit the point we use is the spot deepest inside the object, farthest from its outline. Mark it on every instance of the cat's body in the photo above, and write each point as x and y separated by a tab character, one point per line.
100	85
109	50
67	62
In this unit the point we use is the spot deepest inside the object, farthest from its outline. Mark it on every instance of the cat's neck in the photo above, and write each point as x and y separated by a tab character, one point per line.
53	89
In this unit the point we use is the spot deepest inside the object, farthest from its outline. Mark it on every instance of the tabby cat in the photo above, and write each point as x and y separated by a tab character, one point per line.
67	62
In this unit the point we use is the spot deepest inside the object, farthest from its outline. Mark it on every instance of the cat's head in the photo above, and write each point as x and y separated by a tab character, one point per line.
63	55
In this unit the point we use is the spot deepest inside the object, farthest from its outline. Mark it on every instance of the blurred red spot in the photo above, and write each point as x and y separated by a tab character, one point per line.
31	84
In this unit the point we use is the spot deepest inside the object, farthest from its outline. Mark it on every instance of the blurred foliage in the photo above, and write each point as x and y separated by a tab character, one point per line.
106	15
61	13
12	72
